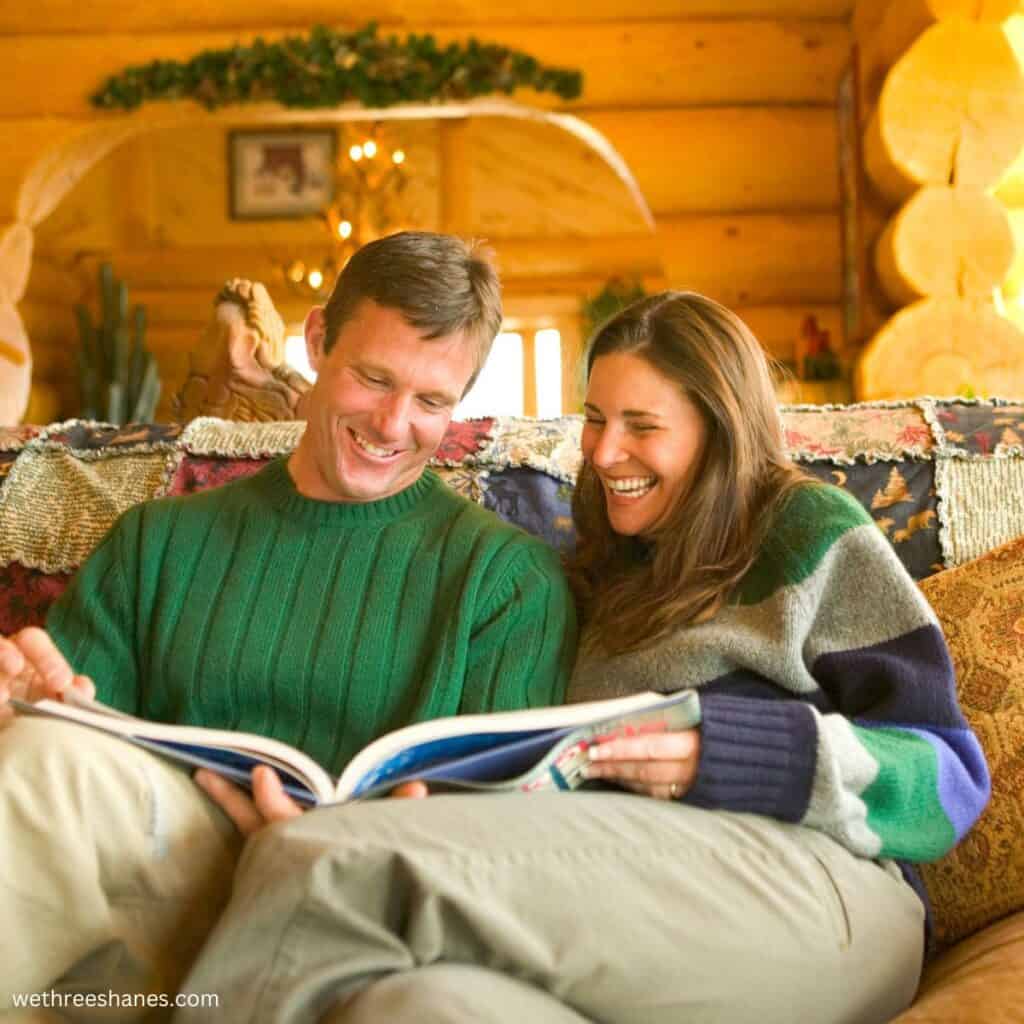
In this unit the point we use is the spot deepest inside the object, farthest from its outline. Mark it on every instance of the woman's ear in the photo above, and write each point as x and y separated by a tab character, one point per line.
315	330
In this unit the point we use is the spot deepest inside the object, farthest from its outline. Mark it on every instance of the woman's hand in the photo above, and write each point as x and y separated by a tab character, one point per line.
662	765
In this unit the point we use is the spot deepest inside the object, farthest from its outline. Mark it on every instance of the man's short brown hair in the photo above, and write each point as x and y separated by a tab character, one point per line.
439	283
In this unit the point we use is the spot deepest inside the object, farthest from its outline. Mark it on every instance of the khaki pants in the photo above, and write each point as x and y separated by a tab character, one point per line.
113	869
557	908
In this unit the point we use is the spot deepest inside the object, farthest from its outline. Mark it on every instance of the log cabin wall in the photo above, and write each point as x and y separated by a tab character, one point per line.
943	92
725	112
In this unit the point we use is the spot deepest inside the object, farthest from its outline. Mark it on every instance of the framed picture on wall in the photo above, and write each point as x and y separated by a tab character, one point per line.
281	175
853	251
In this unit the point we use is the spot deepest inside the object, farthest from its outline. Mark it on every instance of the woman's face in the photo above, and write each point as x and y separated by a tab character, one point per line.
644	438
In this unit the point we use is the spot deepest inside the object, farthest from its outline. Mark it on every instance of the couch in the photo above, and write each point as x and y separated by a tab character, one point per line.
944	480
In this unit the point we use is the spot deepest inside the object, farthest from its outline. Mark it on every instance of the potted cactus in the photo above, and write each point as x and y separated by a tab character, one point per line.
118	376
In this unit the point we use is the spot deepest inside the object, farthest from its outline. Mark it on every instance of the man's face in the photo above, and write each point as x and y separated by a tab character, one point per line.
380	405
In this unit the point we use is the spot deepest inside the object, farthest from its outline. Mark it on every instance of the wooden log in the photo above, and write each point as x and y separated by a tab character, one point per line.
888	29
24	141
626	63
942	346
50	323
1013	285
69	16
728	158
754	259
455	186
951	112
52	281
945	241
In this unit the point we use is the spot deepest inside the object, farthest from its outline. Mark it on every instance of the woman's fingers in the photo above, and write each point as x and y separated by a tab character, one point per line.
655	746
648	772
662	765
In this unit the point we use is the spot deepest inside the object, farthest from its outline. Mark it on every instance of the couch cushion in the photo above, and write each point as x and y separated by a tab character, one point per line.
981	608
980	980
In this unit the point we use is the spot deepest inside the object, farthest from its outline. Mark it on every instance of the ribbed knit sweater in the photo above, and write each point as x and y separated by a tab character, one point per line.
827	691
321	624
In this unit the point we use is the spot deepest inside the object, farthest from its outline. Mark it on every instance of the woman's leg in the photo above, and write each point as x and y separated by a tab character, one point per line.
452	994
624	908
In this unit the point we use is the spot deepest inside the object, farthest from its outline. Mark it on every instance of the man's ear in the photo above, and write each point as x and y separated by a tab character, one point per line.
315	330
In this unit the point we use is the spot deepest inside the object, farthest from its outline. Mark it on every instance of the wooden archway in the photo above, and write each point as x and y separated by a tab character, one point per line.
76	147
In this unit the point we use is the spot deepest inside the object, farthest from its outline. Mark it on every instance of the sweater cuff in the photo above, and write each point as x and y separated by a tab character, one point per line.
756	755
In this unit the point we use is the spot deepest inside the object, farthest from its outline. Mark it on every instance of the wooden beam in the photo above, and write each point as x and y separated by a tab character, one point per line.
754	259
51	282
728	158
207	267
455	186
74	17
625	63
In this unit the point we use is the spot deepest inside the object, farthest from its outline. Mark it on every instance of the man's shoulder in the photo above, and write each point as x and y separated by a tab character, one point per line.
194	505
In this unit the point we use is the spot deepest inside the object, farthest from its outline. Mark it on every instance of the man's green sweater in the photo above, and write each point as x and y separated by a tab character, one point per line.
323	625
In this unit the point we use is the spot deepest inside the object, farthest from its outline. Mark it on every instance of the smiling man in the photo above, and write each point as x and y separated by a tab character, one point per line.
325	600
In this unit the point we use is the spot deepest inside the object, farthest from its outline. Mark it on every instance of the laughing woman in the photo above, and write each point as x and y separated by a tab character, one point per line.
755	868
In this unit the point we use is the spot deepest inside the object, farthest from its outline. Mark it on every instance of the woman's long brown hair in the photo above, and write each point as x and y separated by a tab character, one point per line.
630	594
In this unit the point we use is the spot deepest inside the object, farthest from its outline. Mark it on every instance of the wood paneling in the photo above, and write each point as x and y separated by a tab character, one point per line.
625	64
74	17
728	158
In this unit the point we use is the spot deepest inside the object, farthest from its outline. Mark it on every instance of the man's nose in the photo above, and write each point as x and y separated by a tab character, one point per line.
391	418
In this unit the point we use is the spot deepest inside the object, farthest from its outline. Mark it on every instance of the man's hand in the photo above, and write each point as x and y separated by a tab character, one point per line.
269	802
662	765
31	668
410	791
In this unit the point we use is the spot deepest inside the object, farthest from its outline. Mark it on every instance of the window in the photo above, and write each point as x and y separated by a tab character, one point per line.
295	355
522	377
547	356
498	390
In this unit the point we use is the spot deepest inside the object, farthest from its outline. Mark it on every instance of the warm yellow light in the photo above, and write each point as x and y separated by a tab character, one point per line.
315	279
345	229
398	156
370	148
296	271
356	152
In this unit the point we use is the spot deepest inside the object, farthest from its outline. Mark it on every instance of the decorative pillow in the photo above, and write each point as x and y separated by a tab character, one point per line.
981	608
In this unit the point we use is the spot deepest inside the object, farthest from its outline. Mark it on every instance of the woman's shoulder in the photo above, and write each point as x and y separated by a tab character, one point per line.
810	521
819	508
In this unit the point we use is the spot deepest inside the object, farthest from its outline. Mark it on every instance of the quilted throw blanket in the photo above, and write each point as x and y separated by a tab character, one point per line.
943	480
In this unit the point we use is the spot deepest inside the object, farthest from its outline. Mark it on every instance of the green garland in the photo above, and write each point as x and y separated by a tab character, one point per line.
329	68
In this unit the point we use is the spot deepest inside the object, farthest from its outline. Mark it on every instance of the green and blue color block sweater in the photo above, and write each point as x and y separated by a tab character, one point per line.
323	625
827	691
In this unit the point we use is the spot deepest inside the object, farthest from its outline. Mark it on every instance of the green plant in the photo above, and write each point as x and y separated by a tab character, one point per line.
615	295
118	377
328	68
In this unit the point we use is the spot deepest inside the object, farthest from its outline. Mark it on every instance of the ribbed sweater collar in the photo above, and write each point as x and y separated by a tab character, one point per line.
277	486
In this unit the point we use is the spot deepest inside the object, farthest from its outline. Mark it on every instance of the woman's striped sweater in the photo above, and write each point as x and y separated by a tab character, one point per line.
827	691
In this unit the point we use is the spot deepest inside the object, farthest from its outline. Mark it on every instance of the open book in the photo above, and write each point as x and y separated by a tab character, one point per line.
538	749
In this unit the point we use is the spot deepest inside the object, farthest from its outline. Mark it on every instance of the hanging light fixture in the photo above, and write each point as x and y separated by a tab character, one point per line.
369	177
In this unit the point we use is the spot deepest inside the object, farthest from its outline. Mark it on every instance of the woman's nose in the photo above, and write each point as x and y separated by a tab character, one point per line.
607	450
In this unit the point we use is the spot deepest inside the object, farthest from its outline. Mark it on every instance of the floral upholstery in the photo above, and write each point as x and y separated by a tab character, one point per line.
930	473
981	608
